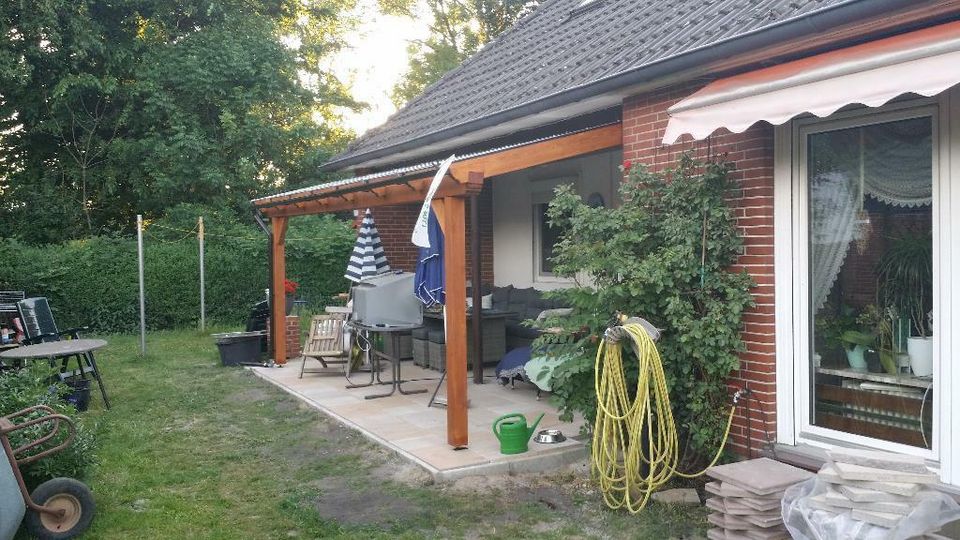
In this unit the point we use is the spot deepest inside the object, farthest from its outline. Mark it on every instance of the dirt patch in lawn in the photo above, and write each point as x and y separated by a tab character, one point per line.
351	505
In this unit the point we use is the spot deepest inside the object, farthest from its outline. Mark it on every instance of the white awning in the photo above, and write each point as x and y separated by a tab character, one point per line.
924	62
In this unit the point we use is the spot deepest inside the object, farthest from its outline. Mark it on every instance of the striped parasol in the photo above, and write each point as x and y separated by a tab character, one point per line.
367	259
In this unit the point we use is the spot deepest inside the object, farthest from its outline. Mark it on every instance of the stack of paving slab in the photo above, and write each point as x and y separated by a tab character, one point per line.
878	488
746	499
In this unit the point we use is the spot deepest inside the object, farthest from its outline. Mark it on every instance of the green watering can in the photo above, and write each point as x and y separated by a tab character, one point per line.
513	433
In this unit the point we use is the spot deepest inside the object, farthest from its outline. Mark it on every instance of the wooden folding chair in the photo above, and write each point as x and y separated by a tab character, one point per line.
326	343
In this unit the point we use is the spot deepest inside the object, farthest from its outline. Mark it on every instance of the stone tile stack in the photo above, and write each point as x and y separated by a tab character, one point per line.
878	488
746	499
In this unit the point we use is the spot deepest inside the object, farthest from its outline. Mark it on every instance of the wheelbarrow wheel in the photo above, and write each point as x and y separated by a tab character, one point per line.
69	495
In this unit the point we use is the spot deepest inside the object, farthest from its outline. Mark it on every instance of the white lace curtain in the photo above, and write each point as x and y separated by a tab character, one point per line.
890	162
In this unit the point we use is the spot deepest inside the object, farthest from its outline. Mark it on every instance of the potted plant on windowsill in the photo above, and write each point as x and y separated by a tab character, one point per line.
905	273
883	322
856	343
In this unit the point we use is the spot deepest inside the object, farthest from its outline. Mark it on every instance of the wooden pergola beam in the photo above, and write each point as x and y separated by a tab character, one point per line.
323	200
382	196
540	153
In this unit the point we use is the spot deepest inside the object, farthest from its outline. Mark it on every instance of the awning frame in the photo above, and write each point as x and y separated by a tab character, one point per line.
823	84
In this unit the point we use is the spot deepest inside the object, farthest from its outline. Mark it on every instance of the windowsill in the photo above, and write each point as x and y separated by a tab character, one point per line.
552	279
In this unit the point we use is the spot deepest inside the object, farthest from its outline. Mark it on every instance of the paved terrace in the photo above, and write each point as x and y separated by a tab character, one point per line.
404	423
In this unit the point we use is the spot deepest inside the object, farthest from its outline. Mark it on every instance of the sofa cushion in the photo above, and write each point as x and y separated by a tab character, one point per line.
501	297
528	296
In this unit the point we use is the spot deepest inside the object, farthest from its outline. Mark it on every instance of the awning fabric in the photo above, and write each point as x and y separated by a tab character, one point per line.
924	62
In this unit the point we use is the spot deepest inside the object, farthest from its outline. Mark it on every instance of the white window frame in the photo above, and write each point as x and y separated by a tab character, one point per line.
792	278
544	197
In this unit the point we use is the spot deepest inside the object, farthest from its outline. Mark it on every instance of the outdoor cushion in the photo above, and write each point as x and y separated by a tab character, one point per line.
527	296
436	336
501	296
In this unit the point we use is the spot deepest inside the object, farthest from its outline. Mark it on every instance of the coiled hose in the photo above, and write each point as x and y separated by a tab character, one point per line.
630	436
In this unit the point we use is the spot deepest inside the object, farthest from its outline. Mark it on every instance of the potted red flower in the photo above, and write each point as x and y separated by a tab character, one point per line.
290	290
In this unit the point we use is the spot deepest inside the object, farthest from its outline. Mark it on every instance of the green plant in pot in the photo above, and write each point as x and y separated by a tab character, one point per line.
883	321
905	274
856	343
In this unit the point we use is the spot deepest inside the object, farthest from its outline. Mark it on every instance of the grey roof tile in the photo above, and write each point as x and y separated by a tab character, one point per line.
551	51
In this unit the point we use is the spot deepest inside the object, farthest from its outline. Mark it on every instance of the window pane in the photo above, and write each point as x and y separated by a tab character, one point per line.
870	275
549	236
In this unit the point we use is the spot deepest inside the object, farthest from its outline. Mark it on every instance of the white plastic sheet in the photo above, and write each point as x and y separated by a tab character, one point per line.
933	511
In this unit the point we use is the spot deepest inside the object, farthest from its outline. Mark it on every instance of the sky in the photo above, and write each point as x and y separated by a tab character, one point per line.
374	61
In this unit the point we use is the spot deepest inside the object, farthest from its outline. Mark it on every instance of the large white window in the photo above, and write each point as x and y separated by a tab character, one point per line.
862	198
869	194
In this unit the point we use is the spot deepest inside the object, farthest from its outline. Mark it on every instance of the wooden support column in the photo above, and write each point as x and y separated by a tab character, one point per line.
278	297
476	280
455	262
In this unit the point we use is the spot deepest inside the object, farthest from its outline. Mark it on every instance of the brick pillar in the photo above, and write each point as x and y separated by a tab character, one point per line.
292	334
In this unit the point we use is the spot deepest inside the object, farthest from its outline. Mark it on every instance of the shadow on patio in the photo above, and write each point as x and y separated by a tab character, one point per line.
406	425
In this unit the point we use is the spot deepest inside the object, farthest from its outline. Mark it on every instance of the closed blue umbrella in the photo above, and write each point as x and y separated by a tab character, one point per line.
367	259
429	278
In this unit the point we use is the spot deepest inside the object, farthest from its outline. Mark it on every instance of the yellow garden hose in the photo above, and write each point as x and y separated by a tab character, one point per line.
631	436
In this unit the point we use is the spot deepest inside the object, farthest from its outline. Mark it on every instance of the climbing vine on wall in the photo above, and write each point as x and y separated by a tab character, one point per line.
665	254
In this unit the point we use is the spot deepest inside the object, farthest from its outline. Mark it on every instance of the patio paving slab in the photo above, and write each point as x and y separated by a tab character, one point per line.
407	426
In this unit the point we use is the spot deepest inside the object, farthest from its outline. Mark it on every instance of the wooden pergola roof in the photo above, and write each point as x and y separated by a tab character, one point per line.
408	186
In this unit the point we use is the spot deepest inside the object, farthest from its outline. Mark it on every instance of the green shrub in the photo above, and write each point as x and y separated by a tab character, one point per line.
664	255
94	281
31	386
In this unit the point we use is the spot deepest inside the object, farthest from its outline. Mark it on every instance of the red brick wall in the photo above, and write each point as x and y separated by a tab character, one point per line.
291	335
395	223
644	122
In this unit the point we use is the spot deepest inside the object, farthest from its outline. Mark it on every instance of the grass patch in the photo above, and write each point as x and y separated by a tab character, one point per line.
195	450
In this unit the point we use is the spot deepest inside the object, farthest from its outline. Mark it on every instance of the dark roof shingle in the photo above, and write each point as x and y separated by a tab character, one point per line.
551	51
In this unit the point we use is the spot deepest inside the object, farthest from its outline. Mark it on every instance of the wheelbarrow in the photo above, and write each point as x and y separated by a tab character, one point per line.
58	509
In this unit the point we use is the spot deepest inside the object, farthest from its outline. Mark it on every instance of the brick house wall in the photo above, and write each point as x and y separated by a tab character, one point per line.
395	223
644	122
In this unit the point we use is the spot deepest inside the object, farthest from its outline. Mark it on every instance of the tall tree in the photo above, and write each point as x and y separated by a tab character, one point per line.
459	29
110	108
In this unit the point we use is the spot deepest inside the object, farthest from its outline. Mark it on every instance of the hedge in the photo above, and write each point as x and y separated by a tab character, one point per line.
94	281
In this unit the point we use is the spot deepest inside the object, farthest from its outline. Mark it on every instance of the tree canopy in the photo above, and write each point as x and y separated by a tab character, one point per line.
459	29
109	108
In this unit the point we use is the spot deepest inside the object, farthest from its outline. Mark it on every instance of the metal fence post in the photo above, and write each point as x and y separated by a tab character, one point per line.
143	317
203	310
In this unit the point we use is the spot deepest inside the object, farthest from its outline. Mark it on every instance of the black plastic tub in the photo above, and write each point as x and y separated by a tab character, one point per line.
79	395
239	348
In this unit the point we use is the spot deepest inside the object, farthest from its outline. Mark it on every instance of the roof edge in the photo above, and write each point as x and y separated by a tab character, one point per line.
837	15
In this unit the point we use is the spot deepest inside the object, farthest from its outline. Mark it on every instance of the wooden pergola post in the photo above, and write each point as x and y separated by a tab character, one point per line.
278	297
476	280
455	262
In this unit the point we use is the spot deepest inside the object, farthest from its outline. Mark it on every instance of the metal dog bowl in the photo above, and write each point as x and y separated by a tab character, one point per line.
549	436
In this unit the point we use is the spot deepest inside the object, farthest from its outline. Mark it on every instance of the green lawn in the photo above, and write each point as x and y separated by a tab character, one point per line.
195	450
